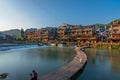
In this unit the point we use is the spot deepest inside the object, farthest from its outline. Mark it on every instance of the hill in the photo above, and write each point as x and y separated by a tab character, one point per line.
12	32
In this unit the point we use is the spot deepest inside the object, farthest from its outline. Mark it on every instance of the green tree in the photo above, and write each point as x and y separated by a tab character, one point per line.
22	33
19	38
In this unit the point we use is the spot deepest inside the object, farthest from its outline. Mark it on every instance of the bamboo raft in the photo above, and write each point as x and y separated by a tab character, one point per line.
69	70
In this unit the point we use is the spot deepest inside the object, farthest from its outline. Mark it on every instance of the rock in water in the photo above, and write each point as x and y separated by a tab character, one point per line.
3	75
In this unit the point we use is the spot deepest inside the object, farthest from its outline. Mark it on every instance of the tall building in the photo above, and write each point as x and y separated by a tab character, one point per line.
87	35
32	35
76	33
115	31
64	33
48	34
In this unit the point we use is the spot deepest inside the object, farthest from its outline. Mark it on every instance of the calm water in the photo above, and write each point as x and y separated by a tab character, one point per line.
102	65
19	63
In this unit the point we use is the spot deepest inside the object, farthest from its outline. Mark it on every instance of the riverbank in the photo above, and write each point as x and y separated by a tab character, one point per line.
69	70
106	45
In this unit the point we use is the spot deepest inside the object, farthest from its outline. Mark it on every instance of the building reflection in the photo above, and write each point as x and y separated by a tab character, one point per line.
115	60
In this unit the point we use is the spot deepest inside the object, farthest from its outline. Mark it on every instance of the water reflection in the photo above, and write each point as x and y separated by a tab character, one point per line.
115	61
19	63
102	64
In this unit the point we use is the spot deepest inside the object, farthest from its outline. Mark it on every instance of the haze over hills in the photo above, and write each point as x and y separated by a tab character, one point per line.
12	32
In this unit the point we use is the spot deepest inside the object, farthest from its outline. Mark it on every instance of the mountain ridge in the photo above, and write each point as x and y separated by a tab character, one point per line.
12	32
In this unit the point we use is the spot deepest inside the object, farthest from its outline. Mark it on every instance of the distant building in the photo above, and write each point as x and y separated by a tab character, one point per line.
6	38
48	34
101	33
88	35
75	34
32	35
115	31
64	33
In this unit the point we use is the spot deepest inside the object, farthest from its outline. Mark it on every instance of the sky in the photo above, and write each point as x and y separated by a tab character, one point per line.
17	14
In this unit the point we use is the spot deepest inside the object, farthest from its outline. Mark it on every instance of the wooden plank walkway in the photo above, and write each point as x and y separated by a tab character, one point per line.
67	71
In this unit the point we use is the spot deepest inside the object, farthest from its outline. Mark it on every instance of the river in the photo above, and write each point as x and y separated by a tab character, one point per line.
102	64
20	62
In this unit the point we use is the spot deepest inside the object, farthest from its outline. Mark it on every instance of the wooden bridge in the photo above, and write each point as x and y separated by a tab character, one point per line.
69	70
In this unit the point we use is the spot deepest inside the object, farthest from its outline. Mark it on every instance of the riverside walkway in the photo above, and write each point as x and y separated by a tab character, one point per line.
69	70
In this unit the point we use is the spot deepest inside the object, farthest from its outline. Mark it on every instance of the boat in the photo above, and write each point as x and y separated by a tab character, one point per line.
3	75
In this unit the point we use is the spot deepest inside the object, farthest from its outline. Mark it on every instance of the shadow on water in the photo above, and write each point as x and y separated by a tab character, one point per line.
77	74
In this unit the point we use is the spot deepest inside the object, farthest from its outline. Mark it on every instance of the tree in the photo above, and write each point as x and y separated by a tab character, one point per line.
22	33
19	38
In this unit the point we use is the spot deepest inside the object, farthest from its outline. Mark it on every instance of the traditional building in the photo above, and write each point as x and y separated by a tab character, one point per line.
32	35
75	34
115	31
87	36
48	34
63	33
101	33
67	34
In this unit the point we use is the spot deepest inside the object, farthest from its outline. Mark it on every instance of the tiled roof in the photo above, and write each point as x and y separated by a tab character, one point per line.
31	30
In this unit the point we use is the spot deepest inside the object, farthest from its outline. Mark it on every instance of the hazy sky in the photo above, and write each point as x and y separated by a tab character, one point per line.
41	13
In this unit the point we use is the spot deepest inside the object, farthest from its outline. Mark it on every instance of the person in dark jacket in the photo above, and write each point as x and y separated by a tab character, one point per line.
31	77
35	75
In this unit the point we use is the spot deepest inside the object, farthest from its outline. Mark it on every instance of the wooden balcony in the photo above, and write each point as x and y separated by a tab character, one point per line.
115	25
60	32
73	35
92	38
79	38
115	38
44	37
44	34
74	30
44	40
